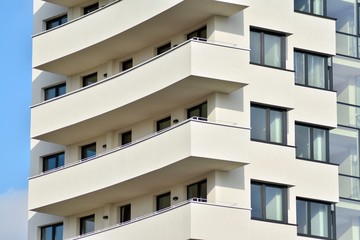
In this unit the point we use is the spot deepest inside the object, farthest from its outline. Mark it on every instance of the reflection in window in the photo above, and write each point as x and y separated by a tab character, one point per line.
344	11
52	232
163	123
53	161
314	218
198	111
347	81
267	48
56	22
347	222
311	70
87	224
125	213
268	124
197	190
126	137
199	33
163	201
55	91
88	151
268	202
310	6
344	150
311	143
348	115
89	79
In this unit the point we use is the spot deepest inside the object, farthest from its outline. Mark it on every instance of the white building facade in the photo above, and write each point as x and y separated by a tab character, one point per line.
194	119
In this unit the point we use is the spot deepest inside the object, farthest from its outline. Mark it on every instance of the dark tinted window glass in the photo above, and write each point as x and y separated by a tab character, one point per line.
87	224
163	201
126	137
89	79
163	48
125	213
88	150
163	123
91	8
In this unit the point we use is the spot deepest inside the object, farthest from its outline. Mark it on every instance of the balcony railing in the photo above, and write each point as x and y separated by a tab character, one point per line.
174	207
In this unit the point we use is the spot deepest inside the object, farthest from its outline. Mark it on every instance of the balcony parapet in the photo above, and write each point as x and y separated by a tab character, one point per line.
175	207
188	150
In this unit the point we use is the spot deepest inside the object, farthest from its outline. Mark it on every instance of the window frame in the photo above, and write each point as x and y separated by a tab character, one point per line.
85	147
60	20
331	218
284	199
311	9
57	88
200	108
311	143
127	64
82	222
123	137
53	230
57	163
123	216
163	120
267	122
90	8
159	197
198	190
327	69
163	48
89	77
262	33
197	34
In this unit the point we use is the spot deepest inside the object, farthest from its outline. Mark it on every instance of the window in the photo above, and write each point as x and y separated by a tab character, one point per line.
53	161
125	213
199	33
198	111
314	219
52	232
267	48
268	202
127	64
56	22
55	91
91	8
268	124
126	137
163	201
163	48
311	143
316	7
163	123
198	190
88	151
87	224
312	70
89	79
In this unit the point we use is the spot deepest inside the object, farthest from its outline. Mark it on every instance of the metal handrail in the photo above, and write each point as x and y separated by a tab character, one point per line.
194	200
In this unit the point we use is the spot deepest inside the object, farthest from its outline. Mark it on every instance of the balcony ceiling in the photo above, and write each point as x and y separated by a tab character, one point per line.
161	27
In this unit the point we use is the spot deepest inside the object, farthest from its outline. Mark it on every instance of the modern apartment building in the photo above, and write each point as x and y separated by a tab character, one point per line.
195	119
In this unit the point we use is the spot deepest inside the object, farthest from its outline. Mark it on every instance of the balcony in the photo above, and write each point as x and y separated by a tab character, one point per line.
186	73
182	152
111	28
188	220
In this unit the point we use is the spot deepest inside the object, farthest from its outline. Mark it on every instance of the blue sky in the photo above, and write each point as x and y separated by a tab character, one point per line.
15	66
